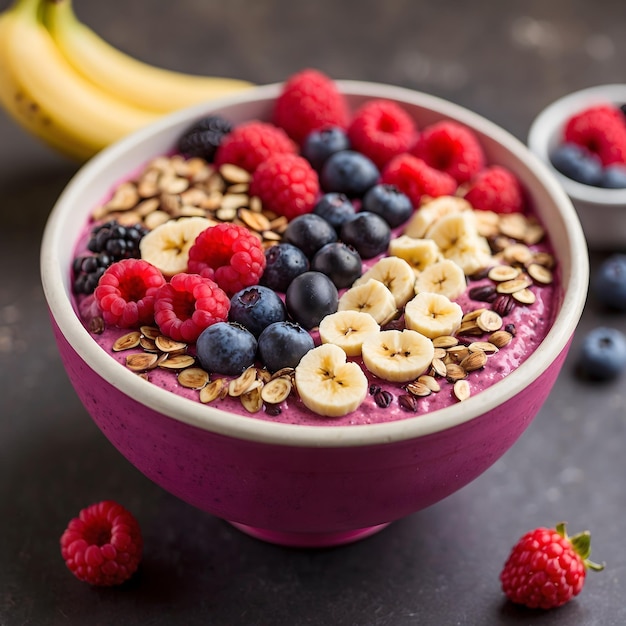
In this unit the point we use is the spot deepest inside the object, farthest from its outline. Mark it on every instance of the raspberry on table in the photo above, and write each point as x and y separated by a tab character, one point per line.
125	293
452	148
251	143
228	254
286	184
415	178
546	568
601	129
103	545
381	129
495	189
187	305
308	101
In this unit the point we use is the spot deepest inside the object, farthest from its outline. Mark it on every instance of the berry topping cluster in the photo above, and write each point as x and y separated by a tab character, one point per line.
343	236
592	147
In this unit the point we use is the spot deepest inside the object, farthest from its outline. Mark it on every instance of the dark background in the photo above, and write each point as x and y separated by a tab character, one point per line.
504	60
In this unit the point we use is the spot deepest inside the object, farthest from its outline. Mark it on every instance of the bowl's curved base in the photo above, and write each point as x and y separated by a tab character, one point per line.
309	540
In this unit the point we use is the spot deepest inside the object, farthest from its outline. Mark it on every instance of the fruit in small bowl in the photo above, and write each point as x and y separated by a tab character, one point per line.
327	483
582	137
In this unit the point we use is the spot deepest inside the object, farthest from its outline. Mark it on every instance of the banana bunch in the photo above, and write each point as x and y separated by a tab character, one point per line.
61	82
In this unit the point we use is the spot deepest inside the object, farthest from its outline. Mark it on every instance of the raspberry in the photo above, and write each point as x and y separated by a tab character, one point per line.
286	184
251	143
187	305
102	546
125	293
381	129
309	100
228	254
495	189
602	130
451	148
546	568
415	178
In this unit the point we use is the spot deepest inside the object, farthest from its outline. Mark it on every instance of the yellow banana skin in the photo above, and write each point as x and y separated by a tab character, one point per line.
26	112
59	98
129	79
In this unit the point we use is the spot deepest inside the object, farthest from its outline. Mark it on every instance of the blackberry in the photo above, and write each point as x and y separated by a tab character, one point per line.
109	242
203	137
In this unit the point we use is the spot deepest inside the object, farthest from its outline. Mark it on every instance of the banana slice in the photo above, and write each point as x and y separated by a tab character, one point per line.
428	213
433	315
457	237
418	253
396	274
348	330
327	384
371	297
167	246
444	277
398	355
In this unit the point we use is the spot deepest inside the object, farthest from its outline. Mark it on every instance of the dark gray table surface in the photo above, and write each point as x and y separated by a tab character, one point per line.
504	60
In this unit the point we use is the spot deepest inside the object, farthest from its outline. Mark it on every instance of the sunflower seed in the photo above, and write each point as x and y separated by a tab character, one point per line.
525	296
500	338
513	225
445	341
276	390
488	321
474	361
177	362
418	389
462	390
242	383
127	341
234	174
483	346
439	367
255	221
430	382
502	273
251	400
545	259
193	378
534	234
517	253
516	284
148	344
141	361
213	390
455	372
540	273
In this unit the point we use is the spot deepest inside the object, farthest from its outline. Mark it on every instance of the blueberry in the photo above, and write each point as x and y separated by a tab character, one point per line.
283	262
335	208
283	344
340	262
349	172
577	163
309	232
368	233
388	202
226	348
310	297
614	177
256	307
609	283
319	144
603	353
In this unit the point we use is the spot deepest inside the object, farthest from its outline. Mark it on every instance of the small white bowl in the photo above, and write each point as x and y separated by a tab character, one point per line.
602	212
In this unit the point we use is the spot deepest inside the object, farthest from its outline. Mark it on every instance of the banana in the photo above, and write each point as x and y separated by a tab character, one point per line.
398	355
418	253
457	237
167	246
348	329
55	94
139	84
432	315
432	210
444	277
396	274
371	297
329	385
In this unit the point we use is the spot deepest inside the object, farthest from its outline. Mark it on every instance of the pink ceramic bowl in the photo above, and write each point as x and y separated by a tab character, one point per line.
299	485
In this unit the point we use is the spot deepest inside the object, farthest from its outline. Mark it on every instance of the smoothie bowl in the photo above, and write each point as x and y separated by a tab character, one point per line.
298	462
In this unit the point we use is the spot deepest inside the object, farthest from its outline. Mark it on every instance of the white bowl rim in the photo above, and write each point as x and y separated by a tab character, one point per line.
551	119
275	433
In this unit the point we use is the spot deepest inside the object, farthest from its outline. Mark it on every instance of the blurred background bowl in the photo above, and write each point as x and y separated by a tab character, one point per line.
300	485
602	212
